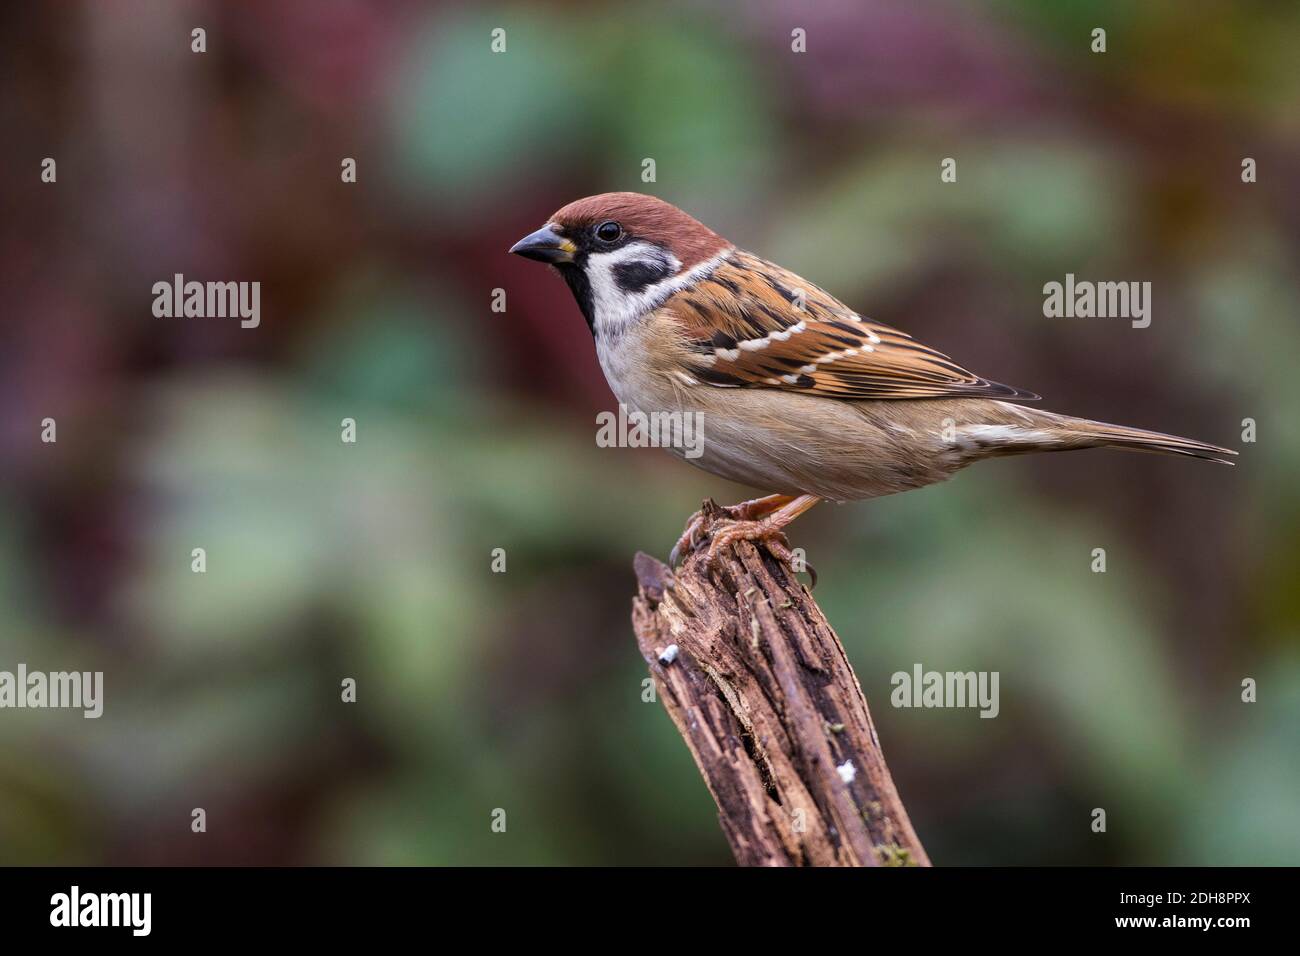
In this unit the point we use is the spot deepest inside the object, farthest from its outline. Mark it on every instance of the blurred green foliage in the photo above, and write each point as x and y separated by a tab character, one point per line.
522	691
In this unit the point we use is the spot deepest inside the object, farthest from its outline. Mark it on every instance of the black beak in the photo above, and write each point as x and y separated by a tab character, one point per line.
545	245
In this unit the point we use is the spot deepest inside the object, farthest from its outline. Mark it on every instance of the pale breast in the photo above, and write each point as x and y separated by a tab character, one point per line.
776	441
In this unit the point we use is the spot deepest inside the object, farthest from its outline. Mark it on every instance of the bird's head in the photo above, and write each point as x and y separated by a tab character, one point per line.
622	254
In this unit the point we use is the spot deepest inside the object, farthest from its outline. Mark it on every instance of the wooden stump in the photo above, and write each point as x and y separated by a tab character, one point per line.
759	687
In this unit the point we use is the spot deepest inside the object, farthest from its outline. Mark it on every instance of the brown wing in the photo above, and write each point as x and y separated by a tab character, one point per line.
754	324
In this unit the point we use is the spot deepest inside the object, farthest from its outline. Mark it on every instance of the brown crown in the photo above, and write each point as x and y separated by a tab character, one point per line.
646	217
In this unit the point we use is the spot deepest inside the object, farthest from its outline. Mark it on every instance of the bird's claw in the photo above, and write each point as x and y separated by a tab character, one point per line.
690	537
687	542
778	546
732	523
758	532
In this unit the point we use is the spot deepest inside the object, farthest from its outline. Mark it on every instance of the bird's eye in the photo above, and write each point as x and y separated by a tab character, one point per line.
609	231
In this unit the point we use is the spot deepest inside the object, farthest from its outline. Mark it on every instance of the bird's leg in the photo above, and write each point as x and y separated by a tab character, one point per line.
767	530
745	511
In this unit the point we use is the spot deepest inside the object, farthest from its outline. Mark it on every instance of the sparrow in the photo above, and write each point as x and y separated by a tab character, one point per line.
799	396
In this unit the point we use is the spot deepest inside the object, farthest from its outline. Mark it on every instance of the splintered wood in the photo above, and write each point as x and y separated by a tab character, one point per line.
759	687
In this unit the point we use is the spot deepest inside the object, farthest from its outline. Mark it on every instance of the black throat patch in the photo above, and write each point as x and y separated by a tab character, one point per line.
575	276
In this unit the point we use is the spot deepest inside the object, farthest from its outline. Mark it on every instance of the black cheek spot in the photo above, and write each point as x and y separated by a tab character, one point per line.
637	275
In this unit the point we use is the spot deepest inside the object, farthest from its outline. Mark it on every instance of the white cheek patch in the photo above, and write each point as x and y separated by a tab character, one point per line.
613	306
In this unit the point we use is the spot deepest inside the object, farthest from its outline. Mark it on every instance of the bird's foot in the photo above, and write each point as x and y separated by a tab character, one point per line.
745	511
767	532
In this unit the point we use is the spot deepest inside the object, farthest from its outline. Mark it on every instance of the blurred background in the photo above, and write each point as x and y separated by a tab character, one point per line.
522	690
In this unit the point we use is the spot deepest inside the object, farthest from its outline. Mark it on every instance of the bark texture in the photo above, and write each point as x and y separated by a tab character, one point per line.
759	687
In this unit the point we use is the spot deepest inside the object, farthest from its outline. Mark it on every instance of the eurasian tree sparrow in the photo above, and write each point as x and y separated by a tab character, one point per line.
800	396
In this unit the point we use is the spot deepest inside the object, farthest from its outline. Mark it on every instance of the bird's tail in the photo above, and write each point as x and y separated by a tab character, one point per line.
1103	435
1047	431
